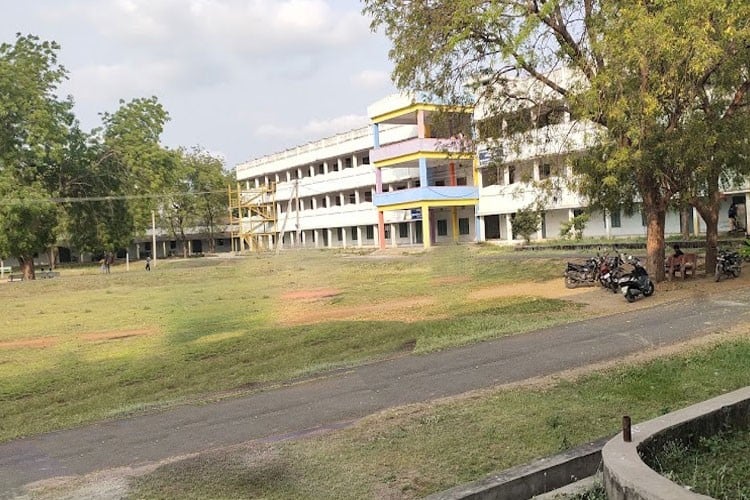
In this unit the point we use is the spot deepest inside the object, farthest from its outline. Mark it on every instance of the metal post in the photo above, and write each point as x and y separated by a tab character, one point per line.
627	435
153	238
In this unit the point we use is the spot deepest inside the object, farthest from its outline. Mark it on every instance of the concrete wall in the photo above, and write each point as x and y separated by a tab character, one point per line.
627	477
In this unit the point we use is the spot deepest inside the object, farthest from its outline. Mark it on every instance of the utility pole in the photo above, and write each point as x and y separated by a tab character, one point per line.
153	238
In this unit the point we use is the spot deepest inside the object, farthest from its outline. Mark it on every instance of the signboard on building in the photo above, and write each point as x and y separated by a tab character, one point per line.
416	214
489	156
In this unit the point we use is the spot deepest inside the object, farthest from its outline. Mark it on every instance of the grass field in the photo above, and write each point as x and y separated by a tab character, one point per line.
89	346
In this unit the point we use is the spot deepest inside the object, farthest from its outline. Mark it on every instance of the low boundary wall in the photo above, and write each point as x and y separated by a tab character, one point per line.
627	477
526	481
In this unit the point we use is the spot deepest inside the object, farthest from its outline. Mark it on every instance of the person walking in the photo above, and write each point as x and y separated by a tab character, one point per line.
148	263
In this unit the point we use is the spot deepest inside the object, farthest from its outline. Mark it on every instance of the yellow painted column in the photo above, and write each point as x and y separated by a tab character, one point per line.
426	240
454	223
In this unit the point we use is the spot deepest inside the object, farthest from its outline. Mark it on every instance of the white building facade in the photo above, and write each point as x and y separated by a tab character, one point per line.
394	184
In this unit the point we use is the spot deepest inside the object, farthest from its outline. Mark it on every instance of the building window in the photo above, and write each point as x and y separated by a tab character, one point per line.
511	174
340	234
352	198
463	225
442	227
440	183
461	181
365	160
491	176
403	230
220	242
545	171
369	233
368	195
172	245
387	232
354	233
347	163
324	202
321	169
615	218
337	200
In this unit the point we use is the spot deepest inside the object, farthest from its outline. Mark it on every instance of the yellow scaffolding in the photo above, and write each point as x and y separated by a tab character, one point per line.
252	217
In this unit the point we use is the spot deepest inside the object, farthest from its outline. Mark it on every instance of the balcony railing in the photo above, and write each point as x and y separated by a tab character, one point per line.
456	147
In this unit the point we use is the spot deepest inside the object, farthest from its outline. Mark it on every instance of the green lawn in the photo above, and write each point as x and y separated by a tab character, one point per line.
88	346
421	449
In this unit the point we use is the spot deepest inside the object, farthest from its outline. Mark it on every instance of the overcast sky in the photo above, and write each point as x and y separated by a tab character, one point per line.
240	78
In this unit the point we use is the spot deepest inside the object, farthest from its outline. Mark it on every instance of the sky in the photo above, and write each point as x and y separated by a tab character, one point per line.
239	78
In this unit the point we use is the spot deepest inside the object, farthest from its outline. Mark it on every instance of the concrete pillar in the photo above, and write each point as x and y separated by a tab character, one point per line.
329	232
394	235
375	135
454	224
378	180
508	227
696	222
381	229
426	227
479	234
423	181
608	224
359	236
316	237
421	129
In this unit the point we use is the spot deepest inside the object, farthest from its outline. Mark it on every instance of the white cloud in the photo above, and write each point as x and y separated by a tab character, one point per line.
314	129
371	79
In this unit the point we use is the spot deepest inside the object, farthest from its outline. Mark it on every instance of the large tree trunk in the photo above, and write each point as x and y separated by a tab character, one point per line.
655	209
655	220
26	262
709	211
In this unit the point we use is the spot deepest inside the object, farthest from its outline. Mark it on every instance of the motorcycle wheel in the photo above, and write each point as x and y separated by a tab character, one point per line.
718	273
629	296
570	282
649	291
737	271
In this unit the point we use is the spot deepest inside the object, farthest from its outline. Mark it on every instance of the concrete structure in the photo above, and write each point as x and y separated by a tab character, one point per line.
415	179
627	477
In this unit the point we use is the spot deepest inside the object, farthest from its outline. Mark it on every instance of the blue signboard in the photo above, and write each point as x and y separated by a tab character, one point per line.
416	214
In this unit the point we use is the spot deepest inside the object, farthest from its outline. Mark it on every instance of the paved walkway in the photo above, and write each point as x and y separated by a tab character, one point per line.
345	396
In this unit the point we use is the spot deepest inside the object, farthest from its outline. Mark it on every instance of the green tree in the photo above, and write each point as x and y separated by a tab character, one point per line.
526	222
34	137
620	65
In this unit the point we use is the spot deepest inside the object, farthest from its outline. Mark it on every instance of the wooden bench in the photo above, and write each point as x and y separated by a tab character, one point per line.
47	274
684	264
15	277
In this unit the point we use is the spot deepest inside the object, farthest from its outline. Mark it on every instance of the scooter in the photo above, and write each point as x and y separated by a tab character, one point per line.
728	264
637	282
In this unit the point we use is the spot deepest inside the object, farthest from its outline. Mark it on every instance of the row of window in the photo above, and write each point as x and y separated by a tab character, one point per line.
495	175
312	170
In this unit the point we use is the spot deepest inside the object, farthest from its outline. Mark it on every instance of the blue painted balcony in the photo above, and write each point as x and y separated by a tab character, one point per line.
456	195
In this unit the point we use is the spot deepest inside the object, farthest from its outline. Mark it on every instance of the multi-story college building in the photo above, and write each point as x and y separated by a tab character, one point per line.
412	179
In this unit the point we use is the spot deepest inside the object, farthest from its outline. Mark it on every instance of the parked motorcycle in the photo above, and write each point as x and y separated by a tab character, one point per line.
728	264
610	272
636	282
585	274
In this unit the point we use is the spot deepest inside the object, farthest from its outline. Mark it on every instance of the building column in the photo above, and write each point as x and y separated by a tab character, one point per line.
329	232
378	180
359	236
343	237
394	242
696	223
508	227
316	237
137	251
478	228
608	224
375	135
411	228
304	239
421	129
381	229
423	181
452	170
454	220
164	248
426	232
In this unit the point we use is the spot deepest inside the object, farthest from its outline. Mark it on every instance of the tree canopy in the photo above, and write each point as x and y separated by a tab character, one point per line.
95	190
646	72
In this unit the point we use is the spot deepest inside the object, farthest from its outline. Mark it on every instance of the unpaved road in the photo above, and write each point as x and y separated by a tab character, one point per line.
341	397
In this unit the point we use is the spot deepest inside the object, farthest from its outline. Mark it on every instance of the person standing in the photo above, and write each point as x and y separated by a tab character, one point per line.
148	263
732	214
